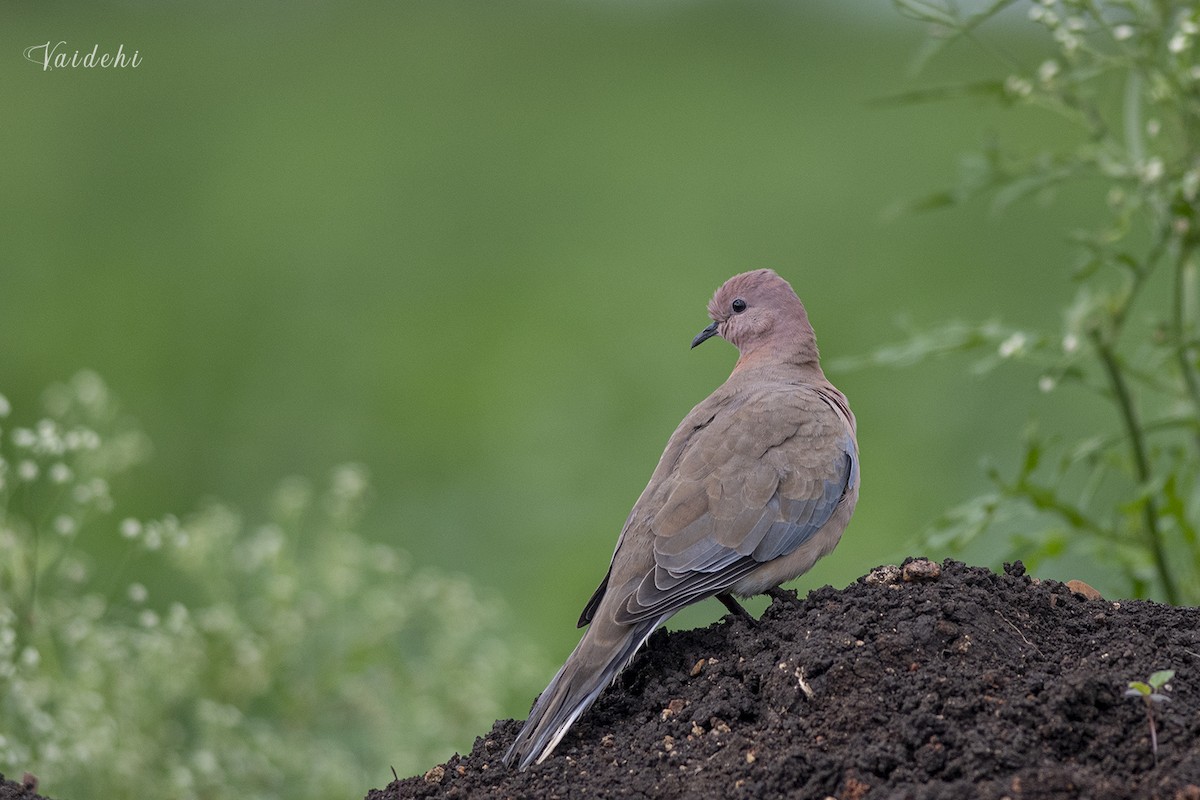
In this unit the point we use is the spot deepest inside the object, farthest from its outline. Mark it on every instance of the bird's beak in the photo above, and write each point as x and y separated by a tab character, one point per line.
707	333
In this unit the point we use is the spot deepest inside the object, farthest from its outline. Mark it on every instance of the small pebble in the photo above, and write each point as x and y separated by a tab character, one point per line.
1083	590
674	707
882	576
921	569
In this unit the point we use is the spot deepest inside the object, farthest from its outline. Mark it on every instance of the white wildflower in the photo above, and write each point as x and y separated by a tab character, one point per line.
349	481
177	617
1013	345
30	657
130	528
1190	184
1070	343
138	593
60	472
5	406
23	437
262	548
90	388
48	439
1046	383
65	525
1017	86
1179	42
1153	128
148	619
1048	71
81	439
1048	18
1123	32
1152	170
1069	41
75	570
27	470
153	538
98	488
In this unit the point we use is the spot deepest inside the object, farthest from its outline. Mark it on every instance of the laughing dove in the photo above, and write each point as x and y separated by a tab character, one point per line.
755	485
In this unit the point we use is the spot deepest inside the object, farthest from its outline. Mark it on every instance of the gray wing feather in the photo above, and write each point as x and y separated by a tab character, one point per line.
707	567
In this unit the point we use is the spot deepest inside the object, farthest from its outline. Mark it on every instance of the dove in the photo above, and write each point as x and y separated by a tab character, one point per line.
758	482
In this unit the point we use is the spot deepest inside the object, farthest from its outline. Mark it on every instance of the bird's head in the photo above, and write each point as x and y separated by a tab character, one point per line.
759	313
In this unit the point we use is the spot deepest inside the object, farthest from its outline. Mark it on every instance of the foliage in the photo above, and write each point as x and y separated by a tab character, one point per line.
1124	75
1148	691
283	659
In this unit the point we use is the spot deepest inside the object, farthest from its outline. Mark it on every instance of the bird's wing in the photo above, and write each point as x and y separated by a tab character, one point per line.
593	602
753	485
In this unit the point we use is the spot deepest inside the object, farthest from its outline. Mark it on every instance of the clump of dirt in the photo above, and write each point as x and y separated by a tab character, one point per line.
919	681
25	790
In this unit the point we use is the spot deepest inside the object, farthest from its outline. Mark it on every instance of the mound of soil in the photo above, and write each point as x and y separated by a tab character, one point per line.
914	682
26	790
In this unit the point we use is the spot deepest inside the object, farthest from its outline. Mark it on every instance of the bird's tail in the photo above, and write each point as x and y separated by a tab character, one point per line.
605	649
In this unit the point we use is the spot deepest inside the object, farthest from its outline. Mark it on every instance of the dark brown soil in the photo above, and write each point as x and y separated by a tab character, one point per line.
963	684
12	790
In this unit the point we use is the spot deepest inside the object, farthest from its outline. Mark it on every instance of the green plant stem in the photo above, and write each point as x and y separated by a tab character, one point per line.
1153	730
1141	462
33	579
1183	349
1133	117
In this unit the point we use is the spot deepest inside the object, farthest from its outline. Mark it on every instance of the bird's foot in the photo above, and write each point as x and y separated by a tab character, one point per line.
736	608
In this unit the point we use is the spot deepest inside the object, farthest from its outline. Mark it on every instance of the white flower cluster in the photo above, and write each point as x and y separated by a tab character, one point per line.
1184	37
1065	22
153	534
230	657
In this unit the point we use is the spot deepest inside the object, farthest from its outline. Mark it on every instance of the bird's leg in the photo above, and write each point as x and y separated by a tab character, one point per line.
735	608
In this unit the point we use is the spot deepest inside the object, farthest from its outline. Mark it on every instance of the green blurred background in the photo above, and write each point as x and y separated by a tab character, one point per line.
467	244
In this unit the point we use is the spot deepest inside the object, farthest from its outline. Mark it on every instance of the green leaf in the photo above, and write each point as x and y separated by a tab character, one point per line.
927	12
1177	509
1033	456
1020	188
919	205
1160	678
947	15
986	90
1139	688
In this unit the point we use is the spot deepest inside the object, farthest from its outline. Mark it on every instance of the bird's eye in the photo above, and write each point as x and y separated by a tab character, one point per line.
738	306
